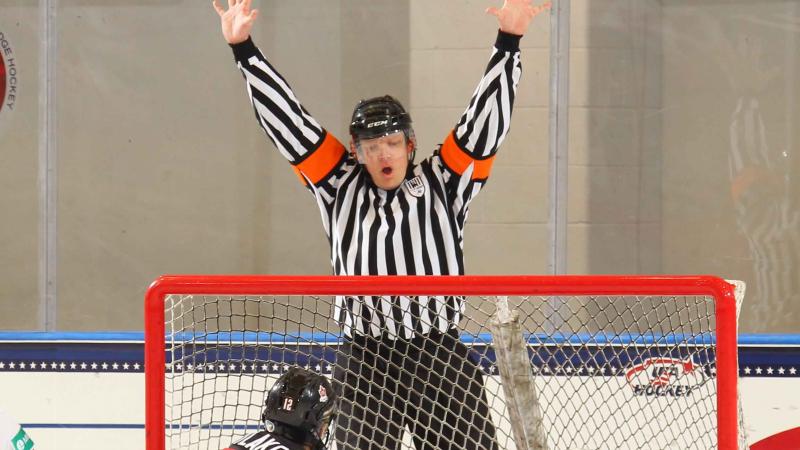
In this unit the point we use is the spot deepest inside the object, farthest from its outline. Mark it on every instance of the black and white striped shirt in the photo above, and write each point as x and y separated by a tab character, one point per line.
416	229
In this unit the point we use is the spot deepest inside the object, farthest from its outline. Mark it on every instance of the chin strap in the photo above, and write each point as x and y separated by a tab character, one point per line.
410	137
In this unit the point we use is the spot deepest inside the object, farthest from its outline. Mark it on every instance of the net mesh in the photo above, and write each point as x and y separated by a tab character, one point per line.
626	372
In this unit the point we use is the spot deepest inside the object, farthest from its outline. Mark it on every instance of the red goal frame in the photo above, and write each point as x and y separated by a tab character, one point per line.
562	285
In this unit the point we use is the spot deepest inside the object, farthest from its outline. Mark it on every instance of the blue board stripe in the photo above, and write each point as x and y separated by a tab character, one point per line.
759	355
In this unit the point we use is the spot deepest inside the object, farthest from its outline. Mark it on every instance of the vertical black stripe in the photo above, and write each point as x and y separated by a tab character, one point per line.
351	188
372	250
405	232
362	214
423	232
435	213
391	267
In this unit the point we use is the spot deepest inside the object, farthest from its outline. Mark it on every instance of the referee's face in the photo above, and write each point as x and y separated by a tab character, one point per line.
386	159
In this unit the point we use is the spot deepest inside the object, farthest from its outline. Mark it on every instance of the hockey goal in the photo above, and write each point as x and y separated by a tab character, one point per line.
616	361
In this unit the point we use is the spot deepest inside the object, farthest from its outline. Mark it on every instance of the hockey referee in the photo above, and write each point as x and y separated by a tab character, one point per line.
402	363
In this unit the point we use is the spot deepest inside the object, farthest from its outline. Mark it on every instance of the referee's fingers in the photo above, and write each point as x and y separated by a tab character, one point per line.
217	7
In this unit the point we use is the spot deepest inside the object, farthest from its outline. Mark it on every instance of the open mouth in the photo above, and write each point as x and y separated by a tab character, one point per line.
387	170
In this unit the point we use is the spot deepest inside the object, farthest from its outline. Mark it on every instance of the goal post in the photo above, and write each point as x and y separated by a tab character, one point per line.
656	334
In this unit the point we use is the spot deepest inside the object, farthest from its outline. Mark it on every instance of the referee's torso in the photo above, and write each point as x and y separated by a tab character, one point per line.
415	229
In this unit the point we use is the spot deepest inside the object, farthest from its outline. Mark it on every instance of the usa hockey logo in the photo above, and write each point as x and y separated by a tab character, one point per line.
666	377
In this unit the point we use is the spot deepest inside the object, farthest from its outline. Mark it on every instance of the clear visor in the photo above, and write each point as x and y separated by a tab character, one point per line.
389	145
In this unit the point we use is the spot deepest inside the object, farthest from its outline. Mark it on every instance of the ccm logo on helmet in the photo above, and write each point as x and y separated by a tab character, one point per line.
378	123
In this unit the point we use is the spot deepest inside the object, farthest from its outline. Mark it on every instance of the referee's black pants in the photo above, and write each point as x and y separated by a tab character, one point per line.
433	385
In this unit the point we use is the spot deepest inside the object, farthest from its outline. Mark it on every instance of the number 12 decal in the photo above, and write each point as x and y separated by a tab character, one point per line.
288	403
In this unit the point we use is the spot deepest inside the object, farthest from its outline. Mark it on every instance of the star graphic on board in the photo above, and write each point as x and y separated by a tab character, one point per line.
126	366
83	365
770	370
2	365
94	366
104	366
747	370
115	366
62	366
136	366
758	370
792	370
781	370
73	366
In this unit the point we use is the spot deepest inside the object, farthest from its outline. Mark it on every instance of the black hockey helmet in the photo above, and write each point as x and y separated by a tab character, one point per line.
377	117
300	405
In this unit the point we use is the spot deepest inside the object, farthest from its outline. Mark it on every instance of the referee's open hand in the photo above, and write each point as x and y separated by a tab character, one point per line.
515	15
237	20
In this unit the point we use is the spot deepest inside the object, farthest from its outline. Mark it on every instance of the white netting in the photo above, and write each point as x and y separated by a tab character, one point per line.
622	372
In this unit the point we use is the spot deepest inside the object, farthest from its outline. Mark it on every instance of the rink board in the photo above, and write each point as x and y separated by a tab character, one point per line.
85	391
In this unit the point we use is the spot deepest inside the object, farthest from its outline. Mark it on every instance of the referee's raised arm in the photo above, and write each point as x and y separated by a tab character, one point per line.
486	121
295	133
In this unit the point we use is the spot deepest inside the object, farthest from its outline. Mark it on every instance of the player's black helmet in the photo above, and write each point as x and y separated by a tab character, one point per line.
377	117
300	406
